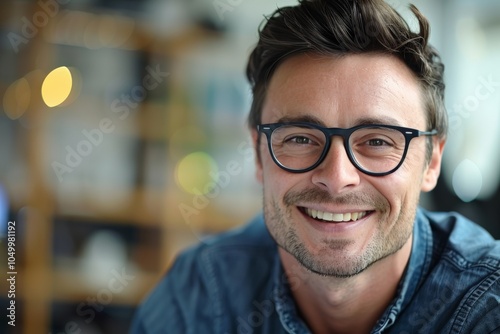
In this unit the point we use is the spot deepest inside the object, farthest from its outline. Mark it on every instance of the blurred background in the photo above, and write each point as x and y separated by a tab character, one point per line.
123	141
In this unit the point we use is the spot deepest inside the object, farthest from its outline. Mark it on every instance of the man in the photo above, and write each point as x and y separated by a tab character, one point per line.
349	127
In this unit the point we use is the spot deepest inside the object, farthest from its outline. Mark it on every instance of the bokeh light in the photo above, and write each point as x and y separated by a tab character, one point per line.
467	181
57	86
194	173
16	99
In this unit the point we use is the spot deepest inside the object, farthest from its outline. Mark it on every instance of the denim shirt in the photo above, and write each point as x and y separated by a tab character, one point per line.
234	283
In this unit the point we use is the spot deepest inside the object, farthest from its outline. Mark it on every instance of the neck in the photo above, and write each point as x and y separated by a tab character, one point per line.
346	305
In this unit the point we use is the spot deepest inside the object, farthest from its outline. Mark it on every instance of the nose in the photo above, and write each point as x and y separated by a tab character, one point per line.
336	173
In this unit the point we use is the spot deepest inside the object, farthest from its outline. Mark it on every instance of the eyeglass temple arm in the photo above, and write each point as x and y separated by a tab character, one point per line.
428	133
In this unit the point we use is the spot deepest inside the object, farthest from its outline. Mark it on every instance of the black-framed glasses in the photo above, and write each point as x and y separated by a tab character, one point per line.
374	149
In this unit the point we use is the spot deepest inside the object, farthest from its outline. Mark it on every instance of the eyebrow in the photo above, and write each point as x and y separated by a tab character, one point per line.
302	118
385	120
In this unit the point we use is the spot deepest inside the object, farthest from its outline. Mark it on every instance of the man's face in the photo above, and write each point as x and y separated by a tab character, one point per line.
379	211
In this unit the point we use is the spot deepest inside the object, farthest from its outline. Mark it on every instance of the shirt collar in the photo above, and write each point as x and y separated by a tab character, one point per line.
415	272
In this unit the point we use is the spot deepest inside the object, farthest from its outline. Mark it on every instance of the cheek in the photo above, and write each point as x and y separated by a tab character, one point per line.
416	157
412	170
270	171
272	178
398	188
265	164
278	182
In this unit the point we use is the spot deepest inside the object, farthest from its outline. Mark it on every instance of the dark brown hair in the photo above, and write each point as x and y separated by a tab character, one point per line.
341	27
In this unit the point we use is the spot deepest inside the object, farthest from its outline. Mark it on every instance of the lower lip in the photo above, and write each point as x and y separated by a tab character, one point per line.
334	227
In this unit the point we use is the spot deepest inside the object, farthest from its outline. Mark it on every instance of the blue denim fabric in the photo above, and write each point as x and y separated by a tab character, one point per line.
234	283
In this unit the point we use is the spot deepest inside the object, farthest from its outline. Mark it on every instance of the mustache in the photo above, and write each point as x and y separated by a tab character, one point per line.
316	195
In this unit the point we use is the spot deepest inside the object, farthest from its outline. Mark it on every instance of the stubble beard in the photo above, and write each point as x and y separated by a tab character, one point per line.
337	262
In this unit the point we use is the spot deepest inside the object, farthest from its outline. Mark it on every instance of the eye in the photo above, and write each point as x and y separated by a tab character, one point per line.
299	140
295	137
377	142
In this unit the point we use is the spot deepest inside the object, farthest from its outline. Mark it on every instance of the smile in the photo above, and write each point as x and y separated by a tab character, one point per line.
335	217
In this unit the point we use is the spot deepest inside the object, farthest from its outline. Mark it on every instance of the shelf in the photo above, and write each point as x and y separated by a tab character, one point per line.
122	287
126	187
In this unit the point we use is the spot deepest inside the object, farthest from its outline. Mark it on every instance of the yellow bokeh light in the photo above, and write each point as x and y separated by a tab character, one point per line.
194	173
57	86
17	99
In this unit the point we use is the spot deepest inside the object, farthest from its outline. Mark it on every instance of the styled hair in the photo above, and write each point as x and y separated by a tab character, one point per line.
342	27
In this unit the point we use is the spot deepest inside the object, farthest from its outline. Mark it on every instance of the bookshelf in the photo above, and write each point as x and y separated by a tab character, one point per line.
92	243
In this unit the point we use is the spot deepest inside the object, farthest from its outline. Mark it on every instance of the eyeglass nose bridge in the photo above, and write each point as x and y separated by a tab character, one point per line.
345	135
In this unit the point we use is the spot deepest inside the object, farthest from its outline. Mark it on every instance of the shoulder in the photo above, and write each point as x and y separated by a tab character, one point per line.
226	258
228	251
206	281
467	271
254	234
458	289
457	236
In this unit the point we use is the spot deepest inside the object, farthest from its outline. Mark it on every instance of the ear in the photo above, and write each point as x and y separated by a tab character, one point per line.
258	158
433	169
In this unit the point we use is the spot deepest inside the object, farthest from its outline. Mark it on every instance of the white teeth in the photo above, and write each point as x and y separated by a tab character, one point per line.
336	217
327	216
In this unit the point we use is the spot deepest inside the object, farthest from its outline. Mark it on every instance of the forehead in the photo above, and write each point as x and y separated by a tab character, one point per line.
339	91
